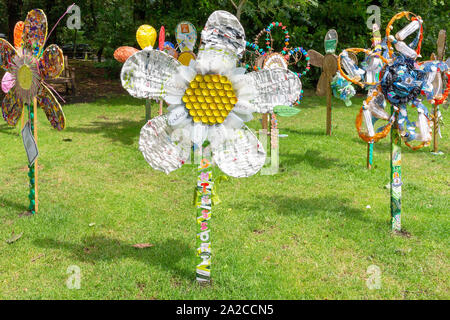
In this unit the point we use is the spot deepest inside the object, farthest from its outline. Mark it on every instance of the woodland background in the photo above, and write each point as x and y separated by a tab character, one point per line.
108	24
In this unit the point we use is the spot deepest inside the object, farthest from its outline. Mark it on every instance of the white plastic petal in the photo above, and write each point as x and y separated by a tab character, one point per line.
187	73
163	148
222	43
240	155
244	107
199	133
178	117
233	121
217	134
245	117
173	99
273	87
152	74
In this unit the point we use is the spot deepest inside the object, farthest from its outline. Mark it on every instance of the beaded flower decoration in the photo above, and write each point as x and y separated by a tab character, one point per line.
268	58
27	67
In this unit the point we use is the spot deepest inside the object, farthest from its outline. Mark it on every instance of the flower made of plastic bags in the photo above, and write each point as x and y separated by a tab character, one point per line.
211	99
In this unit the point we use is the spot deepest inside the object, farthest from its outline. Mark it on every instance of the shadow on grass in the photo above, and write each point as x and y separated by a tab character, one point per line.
121	100
315	132
312	157
305	206
122	131
384	146
164	255
14	205
13	131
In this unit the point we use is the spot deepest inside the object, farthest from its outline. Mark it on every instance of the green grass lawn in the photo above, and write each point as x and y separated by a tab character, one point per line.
305	233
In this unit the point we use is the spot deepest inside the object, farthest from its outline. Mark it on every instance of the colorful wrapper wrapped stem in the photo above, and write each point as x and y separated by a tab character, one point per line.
204	206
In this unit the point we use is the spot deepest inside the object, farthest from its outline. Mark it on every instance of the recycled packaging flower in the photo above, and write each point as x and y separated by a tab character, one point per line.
401	82
210	99
27	67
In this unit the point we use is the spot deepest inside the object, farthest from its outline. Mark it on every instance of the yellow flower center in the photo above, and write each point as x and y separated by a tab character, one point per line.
25	77
210	98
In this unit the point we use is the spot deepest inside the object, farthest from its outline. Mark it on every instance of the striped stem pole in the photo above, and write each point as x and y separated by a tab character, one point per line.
396	178
33	169
204	206
369	155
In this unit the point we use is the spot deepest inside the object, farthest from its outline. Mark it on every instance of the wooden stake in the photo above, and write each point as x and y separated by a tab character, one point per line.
21	120
161	107
148	110
330	67
36	167
329	108
265	121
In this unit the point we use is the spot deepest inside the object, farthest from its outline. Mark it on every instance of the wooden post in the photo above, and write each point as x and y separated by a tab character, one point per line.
21	121
148	110
330	67
329	108
265	121
161	107
36	166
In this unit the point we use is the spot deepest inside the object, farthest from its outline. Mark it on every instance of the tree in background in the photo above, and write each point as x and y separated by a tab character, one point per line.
108	24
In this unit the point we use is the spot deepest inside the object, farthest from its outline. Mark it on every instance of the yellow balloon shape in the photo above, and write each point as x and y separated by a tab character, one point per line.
146	36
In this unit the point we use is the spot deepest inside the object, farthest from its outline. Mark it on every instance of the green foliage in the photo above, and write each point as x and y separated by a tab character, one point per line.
111	67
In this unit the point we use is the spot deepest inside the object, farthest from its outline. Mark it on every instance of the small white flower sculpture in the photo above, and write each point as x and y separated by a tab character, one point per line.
210	99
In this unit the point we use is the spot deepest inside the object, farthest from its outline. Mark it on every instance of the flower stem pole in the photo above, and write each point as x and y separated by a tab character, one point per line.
396	178
369	155
33	169
204	206
329	107
435	129
148	110
161	107
274	154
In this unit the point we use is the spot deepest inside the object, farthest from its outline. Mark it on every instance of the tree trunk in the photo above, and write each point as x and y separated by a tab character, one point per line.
99	54
238	8
13	9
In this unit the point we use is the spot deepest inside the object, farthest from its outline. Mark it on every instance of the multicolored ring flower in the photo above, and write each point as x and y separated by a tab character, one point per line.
27	67
210	99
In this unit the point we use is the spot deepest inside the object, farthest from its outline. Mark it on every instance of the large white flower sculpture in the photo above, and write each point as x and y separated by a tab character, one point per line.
210	99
